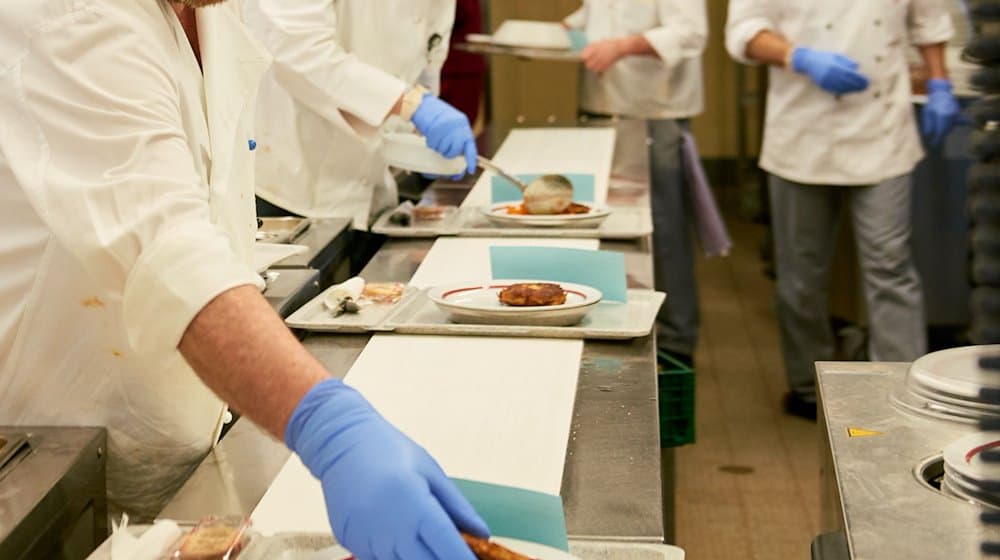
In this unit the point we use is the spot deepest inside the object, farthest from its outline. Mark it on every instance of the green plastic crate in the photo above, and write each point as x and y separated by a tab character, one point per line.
675	382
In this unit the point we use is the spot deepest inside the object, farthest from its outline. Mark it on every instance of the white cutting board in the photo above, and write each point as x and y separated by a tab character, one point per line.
488	409
552	150
467	259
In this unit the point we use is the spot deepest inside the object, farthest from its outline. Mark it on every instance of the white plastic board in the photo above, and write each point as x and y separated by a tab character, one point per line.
493	410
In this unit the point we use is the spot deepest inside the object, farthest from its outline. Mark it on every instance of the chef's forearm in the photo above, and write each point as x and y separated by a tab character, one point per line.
770	48
244	353
934	59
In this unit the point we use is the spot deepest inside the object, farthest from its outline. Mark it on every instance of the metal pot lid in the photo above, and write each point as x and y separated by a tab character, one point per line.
954	373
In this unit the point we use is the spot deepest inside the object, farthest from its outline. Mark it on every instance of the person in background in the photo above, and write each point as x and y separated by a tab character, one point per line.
841	135
128	298
643	60
343	71
463	77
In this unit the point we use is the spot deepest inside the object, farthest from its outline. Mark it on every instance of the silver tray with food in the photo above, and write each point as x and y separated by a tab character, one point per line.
281	230
617	223
352	307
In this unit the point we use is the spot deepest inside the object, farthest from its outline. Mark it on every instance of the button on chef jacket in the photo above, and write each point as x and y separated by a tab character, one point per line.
125	187
665	87
339	67
814	137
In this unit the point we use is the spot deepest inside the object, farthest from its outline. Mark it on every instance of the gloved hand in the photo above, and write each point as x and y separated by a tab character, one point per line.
386	497
941	111
833	72
447	130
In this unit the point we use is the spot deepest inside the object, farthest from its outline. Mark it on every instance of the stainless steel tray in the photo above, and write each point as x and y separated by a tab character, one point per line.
417	314
314	316
281	230
623	223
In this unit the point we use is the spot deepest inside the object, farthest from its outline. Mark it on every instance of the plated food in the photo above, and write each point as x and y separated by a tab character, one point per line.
578	215
534	302
535	294
488	550
213	539
574	208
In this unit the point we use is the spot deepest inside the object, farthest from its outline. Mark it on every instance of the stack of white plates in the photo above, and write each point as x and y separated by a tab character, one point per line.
966	475
947	385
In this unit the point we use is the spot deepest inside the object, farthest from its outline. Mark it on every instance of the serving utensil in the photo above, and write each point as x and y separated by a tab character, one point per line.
548	194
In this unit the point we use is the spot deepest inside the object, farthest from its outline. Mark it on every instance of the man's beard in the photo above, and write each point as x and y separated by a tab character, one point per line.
198	3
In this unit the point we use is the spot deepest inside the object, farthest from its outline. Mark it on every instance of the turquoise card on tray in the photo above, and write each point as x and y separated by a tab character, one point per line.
578	40
505	191
604	270
518	513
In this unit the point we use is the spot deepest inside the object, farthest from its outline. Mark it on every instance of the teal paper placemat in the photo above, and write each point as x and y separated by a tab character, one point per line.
577	39
604	270
504	191
518	513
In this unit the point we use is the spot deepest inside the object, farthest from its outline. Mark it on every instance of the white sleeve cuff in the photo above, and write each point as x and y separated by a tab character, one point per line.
931	31
174	279
667	44
739	35
372	92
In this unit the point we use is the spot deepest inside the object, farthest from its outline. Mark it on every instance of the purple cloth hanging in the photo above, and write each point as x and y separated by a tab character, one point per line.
712	233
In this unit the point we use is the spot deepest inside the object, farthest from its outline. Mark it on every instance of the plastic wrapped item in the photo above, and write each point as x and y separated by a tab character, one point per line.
383	292
213	539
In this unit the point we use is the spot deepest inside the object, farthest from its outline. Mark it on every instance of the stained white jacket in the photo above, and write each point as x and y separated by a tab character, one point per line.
668	87
339	67
125	186
812	136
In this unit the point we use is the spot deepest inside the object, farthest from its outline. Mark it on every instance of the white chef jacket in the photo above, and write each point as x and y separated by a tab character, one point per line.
125	187
668	87
814	137
339	67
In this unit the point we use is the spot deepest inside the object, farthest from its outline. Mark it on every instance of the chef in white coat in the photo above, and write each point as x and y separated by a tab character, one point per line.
841	135
127	297
643	60
344	70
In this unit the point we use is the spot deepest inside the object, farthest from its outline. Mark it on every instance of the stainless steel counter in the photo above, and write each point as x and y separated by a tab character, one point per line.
871	488
612	481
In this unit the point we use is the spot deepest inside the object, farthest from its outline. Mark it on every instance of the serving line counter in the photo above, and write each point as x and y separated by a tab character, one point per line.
611	487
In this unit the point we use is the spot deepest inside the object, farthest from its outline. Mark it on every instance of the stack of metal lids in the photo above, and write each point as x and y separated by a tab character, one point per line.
952	385
967	475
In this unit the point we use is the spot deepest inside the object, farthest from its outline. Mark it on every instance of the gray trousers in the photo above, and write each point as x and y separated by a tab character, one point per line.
673	253
805	220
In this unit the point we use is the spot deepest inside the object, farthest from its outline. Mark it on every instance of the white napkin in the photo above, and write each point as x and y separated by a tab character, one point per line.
152	545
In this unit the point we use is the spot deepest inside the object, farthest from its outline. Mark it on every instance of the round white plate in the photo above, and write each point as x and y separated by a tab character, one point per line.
955	372
962	457
410	152
524	547
497	213
478	303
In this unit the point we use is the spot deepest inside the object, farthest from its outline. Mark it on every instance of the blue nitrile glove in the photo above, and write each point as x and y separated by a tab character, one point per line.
941	111
447	130
833	72
386	497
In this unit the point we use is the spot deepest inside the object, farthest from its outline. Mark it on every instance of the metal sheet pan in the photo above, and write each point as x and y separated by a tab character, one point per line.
281	230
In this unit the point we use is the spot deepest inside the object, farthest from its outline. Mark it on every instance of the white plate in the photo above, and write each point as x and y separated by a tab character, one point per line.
955	372
479	304
527	548
532	34
962	457
410	152
497	213
266	255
